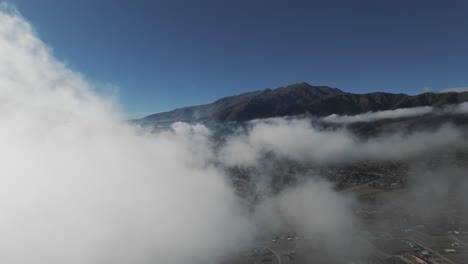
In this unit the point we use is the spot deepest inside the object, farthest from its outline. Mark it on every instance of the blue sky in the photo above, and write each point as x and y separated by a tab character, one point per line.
161	55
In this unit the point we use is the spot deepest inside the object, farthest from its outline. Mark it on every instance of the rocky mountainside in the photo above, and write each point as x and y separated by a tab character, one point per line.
298	99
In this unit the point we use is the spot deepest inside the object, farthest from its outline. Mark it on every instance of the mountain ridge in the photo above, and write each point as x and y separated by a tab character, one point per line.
297	99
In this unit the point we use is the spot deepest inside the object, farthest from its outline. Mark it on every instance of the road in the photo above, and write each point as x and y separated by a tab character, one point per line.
433	252
421	243
278	257
459	241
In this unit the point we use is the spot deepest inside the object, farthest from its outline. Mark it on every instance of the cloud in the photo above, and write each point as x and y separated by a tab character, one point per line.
447	90
436	191
461	108
317	212
299	140
311	207
373	116
79	186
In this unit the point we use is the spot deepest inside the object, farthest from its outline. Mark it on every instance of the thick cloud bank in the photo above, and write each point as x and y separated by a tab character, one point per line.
78	186
299	140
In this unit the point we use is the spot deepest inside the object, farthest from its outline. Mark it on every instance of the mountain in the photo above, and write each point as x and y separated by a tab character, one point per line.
298	99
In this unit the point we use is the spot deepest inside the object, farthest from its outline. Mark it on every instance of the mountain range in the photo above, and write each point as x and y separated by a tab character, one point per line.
299	99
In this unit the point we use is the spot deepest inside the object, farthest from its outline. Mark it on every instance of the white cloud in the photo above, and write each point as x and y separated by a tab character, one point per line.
317	212
79	186
299	140
461	108
373	116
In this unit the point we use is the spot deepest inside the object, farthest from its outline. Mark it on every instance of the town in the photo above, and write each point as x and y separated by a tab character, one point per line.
395	226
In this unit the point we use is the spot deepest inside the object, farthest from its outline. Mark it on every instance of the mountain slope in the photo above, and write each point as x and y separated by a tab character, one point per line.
297	99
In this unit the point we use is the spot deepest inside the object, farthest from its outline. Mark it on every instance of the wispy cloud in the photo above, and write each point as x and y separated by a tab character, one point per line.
372	116
461	108
446	90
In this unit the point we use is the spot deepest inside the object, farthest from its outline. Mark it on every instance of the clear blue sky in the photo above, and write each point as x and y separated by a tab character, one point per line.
167	54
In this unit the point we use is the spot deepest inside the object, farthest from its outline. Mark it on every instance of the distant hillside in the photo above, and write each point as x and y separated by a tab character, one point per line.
297	99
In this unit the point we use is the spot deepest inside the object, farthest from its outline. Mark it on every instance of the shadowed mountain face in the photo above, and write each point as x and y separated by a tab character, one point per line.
298	99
